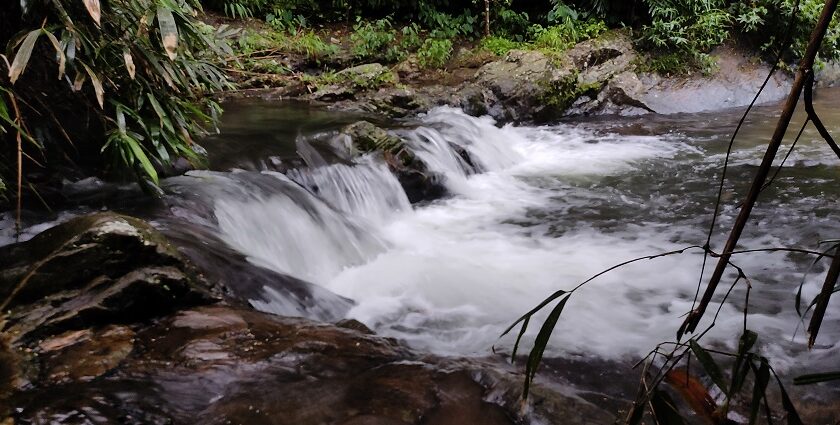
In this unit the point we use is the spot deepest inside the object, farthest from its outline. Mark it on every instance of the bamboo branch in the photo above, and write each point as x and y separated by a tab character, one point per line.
805	65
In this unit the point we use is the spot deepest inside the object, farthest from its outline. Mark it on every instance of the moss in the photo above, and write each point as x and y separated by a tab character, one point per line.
560	94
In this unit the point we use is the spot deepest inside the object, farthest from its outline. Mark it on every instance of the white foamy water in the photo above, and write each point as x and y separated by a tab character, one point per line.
539	209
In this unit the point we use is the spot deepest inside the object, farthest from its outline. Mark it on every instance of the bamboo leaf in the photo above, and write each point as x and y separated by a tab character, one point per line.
121	121
792	415
23	55
59	51
534	310
79	81
129	63
762	377
519	338
97	86
4	110
137	150
816	378
708	364
168	31
94	9
535	357
742	363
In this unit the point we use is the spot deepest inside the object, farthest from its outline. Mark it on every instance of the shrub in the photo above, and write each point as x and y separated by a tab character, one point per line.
563	36
434	53
500	45
371	38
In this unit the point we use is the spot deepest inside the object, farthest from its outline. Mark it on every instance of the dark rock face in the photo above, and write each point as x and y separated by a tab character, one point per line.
100	268
220	365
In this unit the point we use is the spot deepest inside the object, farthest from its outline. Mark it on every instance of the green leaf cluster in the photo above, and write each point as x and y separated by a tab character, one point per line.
135	71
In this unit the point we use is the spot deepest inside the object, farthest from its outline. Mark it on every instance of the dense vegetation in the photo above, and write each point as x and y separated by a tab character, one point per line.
118	88
112	88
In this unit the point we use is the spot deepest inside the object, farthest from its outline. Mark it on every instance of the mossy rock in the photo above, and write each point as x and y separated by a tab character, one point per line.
367	137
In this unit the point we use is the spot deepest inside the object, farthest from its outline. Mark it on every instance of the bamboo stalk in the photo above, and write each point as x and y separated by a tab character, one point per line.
805	66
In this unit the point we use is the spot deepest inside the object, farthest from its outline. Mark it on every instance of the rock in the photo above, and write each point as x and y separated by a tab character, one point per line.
367	137
396	102
409	68
535	86
734	84
219	365
97	269
368	75
419	183
81	356
520	81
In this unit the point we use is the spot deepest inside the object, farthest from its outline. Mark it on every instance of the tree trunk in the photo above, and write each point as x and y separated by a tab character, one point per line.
487	18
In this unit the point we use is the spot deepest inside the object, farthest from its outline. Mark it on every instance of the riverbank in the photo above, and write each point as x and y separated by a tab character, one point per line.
602	76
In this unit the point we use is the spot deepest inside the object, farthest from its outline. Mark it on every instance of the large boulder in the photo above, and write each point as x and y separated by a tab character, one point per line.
220	365
95	269
527	85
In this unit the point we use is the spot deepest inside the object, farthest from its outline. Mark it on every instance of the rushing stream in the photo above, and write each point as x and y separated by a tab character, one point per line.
539	209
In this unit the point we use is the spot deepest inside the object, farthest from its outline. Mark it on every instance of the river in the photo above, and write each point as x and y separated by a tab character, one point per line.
540	209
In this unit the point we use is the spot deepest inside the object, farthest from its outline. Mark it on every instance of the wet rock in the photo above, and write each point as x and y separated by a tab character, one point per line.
355	325
396	102
520	81
96	269
734	84
536	86
221	365
367	137
419	183
81	356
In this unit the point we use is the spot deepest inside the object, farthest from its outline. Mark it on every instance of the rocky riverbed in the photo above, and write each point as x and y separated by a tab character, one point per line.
107	323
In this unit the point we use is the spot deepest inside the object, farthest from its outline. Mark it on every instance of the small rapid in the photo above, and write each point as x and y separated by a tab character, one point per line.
531	210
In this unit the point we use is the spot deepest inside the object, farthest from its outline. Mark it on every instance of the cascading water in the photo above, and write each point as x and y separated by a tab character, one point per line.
531	210
449	276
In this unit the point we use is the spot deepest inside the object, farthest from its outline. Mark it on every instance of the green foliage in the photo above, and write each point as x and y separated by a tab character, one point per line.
511	24
135	71
500	45
563	36
378	40
312	45
411	37
371	39
445	25
434	53
765	21
681	34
